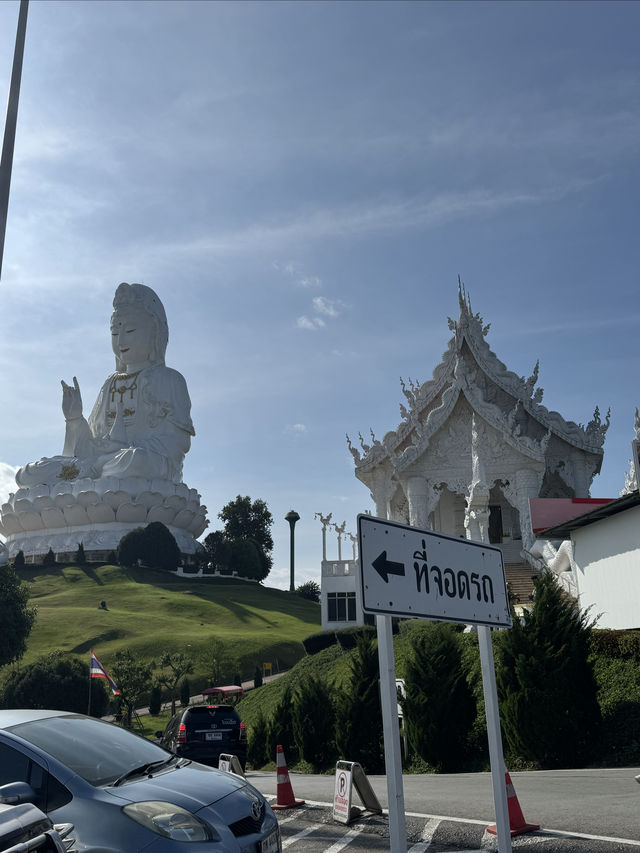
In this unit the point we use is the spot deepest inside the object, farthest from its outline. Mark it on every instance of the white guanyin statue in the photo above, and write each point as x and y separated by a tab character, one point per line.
140	425
121	466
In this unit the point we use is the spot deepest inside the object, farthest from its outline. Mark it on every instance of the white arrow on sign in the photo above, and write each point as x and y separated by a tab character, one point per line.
405	571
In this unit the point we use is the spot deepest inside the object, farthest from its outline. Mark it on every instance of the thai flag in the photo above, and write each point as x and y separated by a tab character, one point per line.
96	670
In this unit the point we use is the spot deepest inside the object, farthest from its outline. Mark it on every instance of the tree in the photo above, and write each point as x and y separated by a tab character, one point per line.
546	686
133	677
185	692
280	729
18	560
49	558
57	682
160	547
79	557
247	519
358	712
179	665
131	547
439	707
219	662
257	745
16	617
309	590
246	559
154	545
257	677
155	700
218	550
314	723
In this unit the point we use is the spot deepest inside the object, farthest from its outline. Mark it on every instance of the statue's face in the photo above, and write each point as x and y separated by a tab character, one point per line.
132	334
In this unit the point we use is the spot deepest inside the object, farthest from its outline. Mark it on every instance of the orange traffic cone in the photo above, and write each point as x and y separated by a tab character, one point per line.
285	798
517	823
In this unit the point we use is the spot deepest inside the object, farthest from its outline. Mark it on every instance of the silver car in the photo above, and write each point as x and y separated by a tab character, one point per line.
124	794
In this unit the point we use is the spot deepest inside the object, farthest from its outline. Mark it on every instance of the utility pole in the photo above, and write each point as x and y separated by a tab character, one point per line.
6	162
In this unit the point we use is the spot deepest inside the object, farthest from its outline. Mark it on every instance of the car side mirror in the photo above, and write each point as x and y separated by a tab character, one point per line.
17	792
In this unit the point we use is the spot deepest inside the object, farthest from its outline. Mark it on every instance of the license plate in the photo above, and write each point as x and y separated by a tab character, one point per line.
271	844
213	736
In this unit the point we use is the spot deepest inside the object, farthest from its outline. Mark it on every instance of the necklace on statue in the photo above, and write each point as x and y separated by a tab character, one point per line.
119	385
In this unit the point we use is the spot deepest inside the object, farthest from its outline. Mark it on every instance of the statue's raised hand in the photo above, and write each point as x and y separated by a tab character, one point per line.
71	400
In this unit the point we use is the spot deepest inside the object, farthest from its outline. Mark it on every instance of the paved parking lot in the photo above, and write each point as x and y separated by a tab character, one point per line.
311	829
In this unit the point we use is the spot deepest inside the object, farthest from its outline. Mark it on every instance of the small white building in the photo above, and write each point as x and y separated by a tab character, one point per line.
340	594
597	559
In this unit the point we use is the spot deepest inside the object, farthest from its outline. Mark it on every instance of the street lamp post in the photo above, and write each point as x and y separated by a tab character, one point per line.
292	516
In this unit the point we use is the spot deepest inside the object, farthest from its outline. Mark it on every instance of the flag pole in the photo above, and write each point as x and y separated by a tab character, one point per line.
6	162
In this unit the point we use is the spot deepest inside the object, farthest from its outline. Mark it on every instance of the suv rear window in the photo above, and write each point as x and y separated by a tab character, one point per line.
219	717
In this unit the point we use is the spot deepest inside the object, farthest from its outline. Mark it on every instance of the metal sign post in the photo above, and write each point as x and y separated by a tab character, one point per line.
418	573
391	732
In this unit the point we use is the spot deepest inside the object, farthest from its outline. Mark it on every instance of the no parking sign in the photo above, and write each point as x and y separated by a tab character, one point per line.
349	773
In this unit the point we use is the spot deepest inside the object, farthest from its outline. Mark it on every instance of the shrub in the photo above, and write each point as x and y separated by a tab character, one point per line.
280	730
18	560
257	743
80	557
57	682
358	711
257	677
348	637
317	642
155	700
546	684
439	707
314	723
619	698
185	692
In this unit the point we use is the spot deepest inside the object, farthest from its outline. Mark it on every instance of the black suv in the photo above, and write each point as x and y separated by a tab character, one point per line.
204	732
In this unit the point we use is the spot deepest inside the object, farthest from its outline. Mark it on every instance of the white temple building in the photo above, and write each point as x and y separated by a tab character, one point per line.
474	445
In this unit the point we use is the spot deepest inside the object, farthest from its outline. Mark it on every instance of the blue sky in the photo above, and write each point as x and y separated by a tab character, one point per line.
302	184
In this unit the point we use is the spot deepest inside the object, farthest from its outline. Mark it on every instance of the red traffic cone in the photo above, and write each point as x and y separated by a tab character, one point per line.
517	823
285	798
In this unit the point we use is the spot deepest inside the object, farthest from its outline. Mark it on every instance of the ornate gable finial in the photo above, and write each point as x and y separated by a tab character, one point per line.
596	429
630	478
354	451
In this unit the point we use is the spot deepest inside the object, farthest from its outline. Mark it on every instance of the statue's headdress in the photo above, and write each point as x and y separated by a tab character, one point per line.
141	296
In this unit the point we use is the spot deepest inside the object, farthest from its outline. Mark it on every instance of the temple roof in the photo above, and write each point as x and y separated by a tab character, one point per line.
510	403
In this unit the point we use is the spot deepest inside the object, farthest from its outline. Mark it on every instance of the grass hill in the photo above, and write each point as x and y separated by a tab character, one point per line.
150	611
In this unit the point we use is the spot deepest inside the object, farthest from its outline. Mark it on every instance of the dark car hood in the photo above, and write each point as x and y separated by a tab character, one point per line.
192	786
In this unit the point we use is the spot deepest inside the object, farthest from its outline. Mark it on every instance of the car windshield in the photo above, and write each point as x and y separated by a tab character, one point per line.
97	751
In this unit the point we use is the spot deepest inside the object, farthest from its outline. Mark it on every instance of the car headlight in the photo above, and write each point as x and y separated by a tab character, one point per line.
171	821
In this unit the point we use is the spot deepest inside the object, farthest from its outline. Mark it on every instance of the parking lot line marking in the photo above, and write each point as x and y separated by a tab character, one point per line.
347	838
427	834
306	831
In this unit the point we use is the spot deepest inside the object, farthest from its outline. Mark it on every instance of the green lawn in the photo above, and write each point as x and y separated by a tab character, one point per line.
150	612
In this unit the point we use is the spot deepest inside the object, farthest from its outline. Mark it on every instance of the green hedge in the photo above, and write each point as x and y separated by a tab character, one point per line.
347	637
315	643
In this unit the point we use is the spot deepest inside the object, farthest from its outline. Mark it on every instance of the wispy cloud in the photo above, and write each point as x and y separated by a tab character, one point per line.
327	307
368	218
296	271
311	323
295	429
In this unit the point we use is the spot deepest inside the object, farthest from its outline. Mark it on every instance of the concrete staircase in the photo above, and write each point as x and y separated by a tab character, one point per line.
520	582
